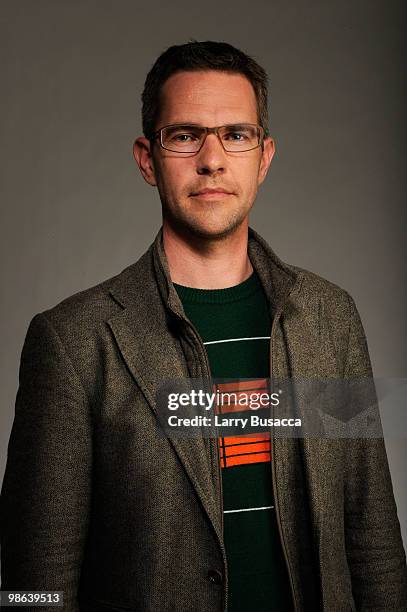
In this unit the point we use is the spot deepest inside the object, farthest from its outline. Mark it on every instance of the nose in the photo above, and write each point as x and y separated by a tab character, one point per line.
211	159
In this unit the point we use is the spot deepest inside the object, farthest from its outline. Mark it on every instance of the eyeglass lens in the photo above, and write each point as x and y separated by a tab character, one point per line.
189	138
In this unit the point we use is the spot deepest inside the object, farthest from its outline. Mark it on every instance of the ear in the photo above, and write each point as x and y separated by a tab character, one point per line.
266	157
142	155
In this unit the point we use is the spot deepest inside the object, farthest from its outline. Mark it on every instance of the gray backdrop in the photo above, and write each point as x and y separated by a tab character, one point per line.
73	72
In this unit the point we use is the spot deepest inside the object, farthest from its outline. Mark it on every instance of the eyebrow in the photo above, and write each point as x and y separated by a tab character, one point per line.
192	124
184	124
238	125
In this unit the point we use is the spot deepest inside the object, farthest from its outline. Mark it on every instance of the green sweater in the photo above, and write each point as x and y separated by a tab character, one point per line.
234	324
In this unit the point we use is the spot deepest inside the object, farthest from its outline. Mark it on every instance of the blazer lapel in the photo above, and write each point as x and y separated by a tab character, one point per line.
153	354
311	362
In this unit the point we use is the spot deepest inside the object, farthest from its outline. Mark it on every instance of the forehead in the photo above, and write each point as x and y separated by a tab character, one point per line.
209	98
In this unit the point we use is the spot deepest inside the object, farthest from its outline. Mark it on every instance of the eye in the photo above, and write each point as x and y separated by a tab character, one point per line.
236	135
182	135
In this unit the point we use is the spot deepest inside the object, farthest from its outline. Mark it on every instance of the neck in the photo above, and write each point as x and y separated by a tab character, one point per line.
207	264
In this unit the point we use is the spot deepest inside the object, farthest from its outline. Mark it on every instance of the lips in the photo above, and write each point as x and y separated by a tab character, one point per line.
217	191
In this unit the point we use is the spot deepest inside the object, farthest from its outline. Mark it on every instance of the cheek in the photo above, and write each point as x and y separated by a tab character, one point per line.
247	174
173	176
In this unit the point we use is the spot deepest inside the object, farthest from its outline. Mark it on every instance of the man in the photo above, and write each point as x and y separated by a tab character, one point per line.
95	502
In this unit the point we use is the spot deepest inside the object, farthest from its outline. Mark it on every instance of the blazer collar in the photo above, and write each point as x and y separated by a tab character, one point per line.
151	272
278	279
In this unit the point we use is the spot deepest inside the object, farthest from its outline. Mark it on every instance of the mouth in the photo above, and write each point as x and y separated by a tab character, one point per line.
211	194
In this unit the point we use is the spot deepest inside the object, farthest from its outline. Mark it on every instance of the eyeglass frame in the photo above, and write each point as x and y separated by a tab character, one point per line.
208	130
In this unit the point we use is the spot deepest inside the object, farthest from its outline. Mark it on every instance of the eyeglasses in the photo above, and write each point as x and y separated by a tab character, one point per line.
236	138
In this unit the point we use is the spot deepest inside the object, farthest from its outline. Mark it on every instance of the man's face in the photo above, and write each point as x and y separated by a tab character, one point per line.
209	99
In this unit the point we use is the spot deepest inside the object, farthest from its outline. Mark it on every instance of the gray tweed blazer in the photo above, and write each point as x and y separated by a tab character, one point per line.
97	504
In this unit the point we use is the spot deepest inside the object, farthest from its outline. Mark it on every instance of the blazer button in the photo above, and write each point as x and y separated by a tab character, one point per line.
215	576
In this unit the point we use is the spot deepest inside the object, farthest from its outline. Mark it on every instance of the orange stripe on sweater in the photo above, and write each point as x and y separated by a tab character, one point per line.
240	450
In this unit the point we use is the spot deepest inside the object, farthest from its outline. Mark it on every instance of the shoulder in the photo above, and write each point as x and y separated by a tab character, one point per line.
314	286
85	309
332	311
321	299
80	320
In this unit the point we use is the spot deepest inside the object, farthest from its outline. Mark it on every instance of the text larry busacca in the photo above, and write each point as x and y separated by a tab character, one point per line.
205	400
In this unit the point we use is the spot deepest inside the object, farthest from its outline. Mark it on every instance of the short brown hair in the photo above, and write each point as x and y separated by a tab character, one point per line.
206	55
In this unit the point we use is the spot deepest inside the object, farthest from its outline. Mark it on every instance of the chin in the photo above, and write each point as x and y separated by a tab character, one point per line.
212	231
205	226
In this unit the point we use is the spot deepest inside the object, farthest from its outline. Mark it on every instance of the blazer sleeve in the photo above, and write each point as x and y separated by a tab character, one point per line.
47	483
374	546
